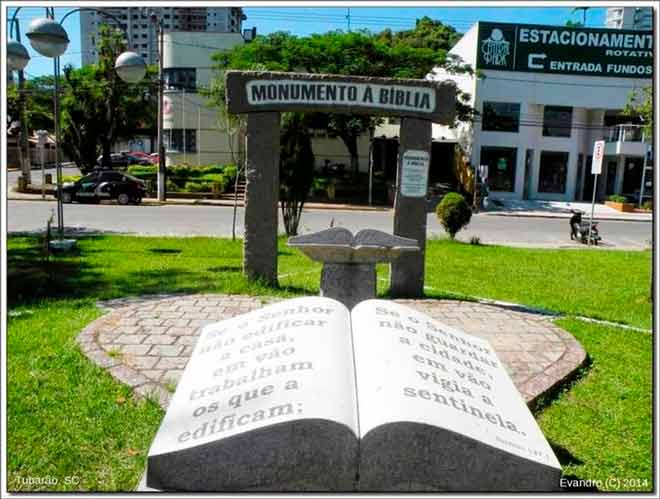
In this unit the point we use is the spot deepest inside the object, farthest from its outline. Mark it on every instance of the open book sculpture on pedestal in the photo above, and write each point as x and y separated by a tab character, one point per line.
305	395
349	262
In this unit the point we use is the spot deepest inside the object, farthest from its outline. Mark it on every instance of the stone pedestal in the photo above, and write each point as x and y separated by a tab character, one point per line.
349	283
349	262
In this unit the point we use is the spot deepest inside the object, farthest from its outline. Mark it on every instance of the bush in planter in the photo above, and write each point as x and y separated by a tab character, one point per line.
454	213
197	187
648	205
615	198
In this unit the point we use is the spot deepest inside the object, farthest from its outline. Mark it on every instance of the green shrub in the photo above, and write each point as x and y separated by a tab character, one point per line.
615	198
197	187
171	186
454	213
648	205
142	170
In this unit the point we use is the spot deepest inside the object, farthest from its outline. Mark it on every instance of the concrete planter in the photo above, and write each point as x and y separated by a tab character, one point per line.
626	207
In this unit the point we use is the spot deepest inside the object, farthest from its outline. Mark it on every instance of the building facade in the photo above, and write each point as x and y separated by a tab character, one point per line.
195	133
636	18
142	32
546	94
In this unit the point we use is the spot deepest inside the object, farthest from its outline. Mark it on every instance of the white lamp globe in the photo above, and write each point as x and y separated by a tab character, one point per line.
130	67
17	56
47	37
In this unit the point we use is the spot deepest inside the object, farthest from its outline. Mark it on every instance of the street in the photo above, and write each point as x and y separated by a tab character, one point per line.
186	220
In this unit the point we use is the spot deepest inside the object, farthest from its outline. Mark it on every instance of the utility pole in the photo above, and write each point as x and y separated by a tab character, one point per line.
162	171
348	18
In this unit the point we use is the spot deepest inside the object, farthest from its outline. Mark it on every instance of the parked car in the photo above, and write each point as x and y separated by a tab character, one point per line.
143	156
122	159
104	184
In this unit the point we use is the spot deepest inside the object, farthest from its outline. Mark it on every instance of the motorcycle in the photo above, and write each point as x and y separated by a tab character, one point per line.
580	229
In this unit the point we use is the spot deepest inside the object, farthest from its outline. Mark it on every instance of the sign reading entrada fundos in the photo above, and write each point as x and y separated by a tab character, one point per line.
563	50
254	92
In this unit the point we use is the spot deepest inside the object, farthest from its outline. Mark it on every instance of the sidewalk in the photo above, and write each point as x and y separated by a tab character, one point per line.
559	209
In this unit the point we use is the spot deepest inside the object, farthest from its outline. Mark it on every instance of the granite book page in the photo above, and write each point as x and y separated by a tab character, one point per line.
266	402
438	411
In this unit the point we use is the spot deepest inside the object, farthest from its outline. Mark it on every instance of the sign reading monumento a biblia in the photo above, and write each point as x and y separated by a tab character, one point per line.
565	50
352	94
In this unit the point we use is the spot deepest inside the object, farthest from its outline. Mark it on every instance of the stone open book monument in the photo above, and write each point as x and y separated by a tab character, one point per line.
305	395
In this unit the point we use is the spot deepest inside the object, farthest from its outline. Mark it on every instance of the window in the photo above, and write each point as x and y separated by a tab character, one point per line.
174	140
552	172
144	35
557	121
501	163
180	78
500	117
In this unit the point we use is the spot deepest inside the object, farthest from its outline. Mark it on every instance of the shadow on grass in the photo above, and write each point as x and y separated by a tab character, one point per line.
106	269
165	251
32	277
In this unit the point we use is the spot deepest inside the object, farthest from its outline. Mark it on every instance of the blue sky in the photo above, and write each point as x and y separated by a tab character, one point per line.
307	20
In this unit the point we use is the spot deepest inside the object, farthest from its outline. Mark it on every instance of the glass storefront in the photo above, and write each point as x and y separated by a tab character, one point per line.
501	163
553	171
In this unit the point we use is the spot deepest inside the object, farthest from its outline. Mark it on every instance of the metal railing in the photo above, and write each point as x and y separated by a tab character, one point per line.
625	133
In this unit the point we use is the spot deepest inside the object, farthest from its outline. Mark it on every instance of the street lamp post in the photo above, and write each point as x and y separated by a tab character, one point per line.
162	170
51	40
17	59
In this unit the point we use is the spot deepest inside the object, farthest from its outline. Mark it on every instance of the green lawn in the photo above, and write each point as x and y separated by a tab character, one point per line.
68	418
602	427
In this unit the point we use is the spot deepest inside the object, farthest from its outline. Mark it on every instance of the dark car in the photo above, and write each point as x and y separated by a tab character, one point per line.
123	159
104	184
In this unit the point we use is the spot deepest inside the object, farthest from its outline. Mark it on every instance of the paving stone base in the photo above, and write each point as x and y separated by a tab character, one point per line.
146	342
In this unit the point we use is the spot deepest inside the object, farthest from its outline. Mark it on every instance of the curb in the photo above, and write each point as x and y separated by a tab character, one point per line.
565	216
230	204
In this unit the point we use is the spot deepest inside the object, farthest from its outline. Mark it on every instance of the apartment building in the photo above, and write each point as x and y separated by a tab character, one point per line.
142	33
635	18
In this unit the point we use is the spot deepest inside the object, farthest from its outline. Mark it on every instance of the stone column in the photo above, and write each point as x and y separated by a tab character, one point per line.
261	196
407	272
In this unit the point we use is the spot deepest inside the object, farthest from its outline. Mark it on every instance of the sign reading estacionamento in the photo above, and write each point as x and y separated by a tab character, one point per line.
563	50
270	91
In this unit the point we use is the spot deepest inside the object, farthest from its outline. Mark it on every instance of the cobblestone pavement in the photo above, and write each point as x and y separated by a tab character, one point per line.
146	342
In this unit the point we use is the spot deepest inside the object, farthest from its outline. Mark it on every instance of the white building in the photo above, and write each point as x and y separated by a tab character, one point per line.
547	93
141	31
638	18
194	132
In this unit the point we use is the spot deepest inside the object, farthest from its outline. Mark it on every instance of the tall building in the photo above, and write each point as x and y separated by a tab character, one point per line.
141	31
637	18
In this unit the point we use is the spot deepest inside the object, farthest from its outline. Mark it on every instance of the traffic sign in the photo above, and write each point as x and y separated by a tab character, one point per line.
597	162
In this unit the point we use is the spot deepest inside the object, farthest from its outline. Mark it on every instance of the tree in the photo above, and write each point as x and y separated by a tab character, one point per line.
640	103
428	33
234	127
39	103
296	169
98	107
356	53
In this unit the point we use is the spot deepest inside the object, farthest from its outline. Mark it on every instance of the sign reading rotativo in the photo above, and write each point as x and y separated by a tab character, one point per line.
564	50
270	91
